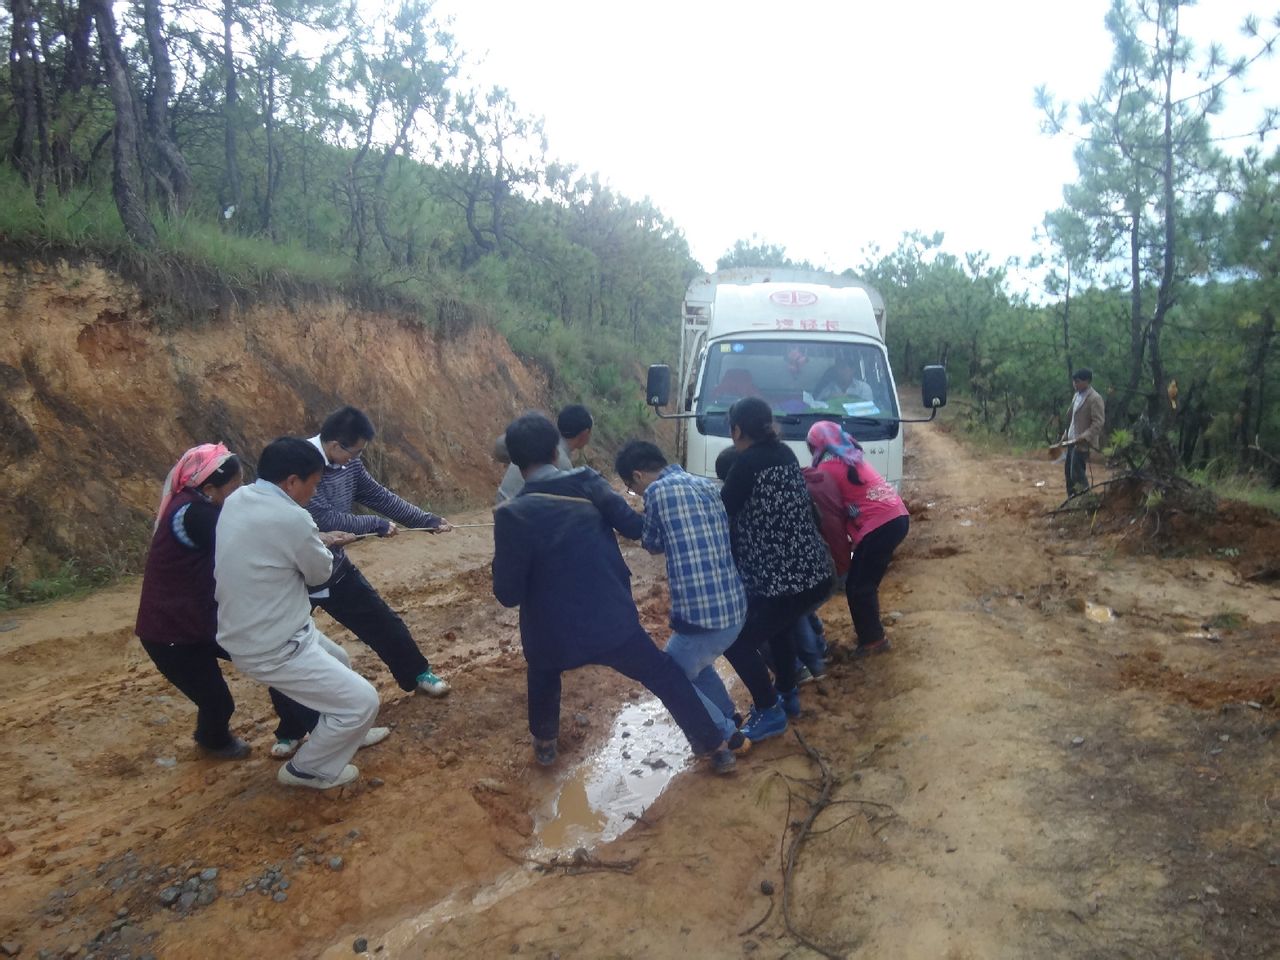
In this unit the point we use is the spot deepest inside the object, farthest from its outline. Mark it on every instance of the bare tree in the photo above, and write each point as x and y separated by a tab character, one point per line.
125	180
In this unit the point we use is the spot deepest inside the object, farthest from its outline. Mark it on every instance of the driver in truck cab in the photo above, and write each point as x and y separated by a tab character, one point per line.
839	380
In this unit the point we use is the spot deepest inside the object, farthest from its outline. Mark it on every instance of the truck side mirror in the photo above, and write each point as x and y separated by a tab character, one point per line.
933	386
658	388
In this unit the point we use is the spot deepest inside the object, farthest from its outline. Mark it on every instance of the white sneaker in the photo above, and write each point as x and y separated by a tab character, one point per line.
284	749
289	778
432	685
375	735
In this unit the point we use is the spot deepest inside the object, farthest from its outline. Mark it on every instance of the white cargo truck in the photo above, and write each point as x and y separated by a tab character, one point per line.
811	344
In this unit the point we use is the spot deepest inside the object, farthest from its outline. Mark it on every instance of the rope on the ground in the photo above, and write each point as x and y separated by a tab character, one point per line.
816	806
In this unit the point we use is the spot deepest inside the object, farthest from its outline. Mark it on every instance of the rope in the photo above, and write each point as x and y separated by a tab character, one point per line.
455	526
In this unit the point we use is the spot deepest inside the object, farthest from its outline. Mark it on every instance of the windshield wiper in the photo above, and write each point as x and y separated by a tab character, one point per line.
872	419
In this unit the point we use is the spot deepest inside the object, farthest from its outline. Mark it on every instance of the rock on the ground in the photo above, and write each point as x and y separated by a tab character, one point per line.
361	945
169	895
335	863
10	948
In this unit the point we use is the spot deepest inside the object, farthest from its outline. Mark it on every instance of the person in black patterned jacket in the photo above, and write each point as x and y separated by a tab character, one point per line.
782	559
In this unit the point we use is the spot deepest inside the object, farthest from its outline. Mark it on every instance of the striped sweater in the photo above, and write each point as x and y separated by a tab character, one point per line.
341	488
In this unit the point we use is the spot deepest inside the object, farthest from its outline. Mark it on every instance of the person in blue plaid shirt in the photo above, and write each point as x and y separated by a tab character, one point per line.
685	519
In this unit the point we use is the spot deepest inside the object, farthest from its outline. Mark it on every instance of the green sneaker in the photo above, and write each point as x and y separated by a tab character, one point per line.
432	685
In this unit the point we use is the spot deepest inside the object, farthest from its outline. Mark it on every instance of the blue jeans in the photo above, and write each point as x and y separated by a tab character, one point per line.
810	643
695	653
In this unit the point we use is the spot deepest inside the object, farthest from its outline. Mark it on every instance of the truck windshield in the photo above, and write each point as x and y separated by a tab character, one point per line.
804	381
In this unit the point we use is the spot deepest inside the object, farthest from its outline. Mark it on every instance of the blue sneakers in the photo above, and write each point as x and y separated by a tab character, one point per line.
762	725
790	702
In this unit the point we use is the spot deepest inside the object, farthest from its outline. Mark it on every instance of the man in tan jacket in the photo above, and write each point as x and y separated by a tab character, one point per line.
1084	430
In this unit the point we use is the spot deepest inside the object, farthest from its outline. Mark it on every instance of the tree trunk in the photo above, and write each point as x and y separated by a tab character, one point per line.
1252	402
76	26
174	179
1137	342
231	187
1192	419
359	216
267	97
1066	323
29	139
124	178
1157	407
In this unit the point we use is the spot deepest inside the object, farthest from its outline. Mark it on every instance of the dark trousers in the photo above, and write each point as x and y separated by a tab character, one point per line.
296	721
1076	467
768	626
862	588
354	603
638	658
357	606
195	671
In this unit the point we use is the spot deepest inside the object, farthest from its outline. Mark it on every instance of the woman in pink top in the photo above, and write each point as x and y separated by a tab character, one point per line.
877	522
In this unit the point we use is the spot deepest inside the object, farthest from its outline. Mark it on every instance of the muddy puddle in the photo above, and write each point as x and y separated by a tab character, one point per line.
596	801
603	795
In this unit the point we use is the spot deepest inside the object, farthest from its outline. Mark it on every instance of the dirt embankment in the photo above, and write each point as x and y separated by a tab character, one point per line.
99	392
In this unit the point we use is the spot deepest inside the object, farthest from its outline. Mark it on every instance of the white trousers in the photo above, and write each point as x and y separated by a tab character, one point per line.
316	672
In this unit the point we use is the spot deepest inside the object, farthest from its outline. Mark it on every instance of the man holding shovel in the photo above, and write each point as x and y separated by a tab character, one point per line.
1084	430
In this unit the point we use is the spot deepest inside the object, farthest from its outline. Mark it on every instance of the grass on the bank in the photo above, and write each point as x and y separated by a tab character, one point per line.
1245	488
69	580
85	219
81	218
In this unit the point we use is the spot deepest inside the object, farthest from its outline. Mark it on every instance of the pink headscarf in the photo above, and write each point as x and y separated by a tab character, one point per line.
192	469
827	439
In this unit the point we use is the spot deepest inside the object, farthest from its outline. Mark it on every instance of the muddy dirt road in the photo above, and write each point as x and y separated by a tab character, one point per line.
1071	751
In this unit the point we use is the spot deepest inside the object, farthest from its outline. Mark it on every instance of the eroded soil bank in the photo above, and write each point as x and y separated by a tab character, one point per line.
1023	776
100	390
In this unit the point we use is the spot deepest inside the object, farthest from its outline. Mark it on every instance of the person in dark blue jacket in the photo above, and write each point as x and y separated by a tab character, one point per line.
556	557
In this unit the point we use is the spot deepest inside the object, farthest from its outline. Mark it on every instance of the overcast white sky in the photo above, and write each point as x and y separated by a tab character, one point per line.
821	126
